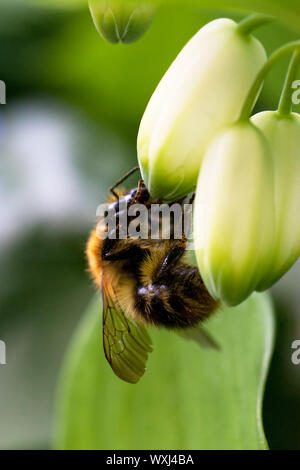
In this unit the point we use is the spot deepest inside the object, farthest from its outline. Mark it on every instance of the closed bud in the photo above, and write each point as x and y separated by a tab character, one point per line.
202	92
234	213
283	135
120	20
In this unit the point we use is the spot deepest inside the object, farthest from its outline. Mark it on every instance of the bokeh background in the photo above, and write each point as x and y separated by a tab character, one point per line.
67	132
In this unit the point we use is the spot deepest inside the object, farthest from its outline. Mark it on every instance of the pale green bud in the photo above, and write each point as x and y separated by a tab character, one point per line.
202	92
283	135
234	213
121	21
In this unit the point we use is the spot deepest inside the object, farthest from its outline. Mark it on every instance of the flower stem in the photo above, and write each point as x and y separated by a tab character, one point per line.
248	24
254	90
285	103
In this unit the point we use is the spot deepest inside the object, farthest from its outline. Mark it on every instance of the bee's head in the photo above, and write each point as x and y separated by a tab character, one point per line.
138	195
141	193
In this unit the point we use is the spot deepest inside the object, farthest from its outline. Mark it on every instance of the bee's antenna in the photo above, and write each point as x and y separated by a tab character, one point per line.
129	173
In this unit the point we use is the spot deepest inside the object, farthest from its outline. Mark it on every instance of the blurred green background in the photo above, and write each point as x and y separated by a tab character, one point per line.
67	132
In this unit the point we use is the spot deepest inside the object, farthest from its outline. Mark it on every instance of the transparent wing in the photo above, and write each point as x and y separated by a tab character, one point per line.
126	343
201	336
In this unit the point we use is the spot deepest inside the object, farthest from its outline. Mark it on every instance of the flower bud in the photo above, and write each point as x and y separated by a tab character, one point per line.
121	21
283	135
202	92
234	213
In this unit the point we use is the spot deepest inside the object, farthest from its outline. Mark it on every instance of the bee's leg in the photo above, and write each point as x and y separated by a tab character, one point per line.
174	255
108	247
111	252
129	173
114	249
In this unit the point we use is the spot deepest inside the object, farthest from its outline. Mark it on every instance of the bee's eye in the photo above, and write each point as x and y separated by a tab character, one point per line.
133	192
123	201
114	206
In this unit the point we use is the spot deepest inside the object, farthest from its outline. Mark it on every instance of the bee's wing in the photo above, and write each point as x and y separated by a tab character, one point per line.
126	343
201	336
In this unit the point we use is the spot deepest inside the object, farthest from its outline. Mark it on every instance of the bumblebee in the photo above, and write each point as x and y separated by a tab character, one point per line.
144	282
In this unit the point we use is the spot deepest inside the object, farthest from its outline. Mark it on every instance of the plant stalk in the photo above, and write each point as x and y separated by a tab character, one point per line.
285	103
254	90
248	24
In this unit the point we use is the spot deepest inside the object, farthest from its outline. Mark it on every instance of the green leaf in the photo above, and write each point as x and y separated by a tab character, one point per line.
189	398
